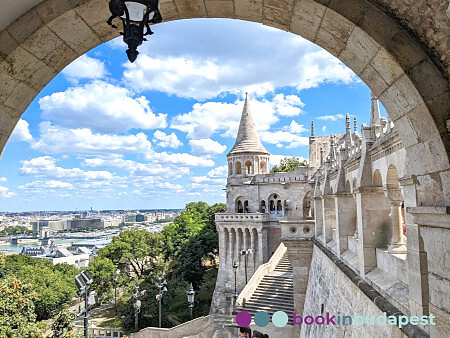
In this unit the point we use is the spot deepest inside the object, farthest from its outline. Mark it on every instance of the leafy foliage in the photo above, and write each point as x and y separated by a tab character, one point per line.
288	164
138	248
15	230
103	271
54	286
17	316
63	325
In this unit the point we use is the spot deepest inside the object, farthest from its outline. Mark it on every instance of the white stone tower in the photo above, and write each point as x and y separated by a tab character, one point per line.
248	157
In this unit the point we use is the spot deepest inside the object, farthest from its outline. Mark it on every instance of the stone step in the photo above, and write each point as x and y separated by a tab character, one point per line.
273	298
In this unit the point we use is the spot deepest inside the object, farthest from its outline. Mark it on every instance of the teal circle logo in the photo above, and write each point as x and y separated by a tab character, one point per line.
261	318
280	319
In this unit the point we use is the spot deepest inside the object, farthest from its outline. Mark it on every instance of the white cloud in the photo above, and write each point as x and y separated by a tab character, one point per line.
45	166
324	128
22	132
101	107
136	168
331	117
165	140
208	180
294	128
85	67
179	63
180	159
60	140
3	179
5	193
288	105
50	184
219	172
208	118
206	146
284	139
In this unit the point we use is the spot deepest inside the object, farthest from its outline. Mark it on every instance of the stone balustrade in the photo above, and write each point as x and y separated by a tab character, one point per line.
243	217
100	331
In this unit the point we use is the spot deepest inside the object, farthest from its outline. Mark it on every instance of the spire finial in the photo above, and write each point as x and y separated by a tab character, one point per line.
347	123
355	125
312	128
246	96
375	117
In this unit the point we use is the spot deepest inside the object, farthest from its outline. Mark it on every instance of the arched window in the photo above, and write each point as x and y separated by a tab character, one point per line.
262	206
230	169
239	206
272	207
246	209
238	168
377	180
279	207
248	167
263	167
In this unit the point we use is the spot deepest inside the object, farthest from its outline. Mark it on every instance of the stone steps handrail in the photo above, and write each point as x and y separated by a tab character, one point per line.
190	328
101	331
259	274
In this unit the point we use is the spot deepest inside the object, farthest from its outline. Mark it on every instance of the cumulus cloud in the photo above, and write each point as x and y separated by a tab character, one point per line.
324	128
82	141
206	119
179	63
331	117
206	146
45	166
50	184
219	172
22	132
284	139
5	193
85	67
166	140
208	180
101	107
136	168
180	159
294	128
3	179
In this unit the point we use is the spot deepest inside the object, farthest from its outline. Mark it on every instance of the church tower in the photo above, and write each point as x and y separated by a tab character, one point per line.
248	157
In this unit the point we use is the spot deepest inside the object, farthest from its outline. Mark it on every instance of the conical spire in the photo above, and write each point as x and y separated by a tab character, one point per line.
375	117
247	139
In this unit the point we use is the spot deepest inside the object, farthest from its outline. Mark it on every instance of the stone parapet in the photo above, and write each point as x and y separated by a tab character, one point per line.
244	217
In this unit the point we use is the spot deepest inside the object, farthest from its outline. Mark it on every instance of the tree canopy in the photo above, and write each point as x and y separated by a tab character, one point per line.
288	164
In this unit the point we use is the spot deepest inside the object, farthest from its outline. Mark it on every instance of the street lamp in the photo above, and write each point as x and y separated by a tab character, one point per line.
83	282
116	278
246	253
161	289
137	304
235	295
136	15
190	295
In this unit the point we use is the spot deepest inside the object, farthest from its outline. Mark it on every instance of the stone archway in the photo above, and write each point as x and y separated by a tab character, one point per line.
384	45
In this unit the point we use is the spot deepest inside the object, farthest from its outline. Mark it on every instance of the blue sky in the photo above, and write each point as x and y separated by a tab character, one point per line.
154	134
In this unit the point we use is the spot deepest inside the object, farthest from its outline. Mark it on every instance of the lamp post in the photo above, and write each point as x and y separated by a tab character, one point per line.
161	289
246	253
235	295
136	15
190	295
137	304
83	282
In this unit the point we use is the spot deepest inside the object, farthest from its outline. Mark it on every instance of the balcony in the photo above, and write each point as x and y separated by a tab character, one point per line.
242	217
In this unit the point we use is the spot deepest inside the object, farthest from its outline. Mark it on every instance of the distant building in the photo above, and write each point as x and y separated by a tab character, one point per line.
77	257
53	225
134	218
79	222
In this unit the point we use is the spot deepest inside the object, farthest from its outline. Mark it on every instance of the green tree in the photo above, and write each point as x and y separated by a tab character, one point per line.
17	315
63	325
103	271
288	164
139	249
15	230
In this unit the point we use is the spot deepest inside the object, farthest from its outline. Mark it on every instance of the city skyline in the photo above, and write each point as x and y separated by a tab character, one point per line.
154	134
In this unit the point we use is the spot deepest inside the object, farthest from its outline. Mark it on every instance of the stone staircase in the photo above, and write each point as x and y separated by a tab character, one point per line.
275	292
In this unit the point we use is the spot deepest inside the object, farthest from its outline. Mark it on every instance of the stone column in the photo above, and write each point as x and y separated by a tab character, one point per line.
416	254
396	200
345	220
318	216
329	217
300	253
262	246
374	224
222	246
232	238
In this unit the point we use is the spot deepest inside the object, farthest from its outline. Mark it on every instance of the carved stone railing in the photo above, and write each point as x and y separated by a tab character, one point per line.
100	331
242	217
259	274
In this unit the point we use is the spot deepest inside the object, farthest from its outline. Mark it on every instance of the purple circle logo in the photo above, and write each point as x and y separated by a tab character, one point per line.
243	319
